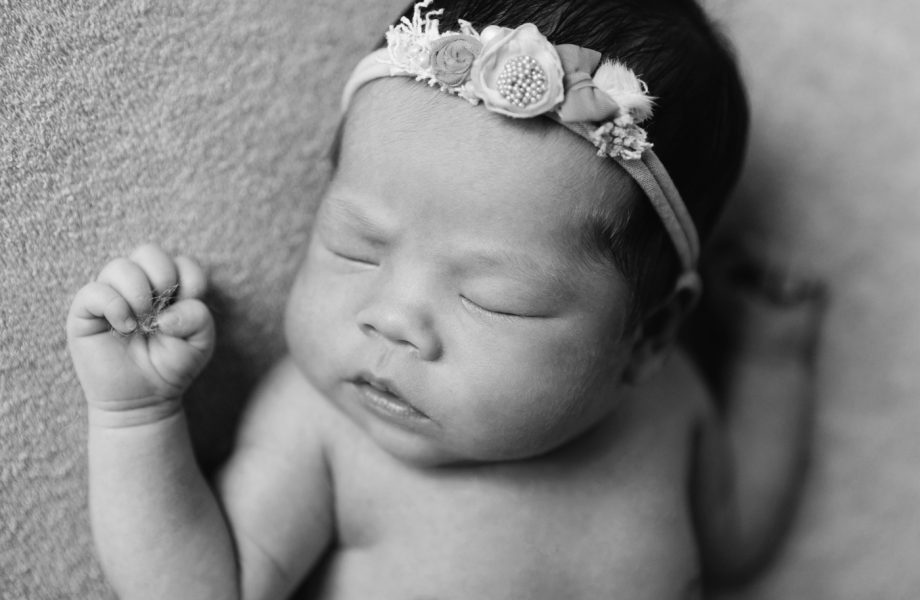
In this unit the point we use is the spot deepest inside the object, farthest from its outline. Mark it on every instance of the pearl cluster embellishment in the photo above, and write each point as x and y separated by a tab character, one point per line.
522	81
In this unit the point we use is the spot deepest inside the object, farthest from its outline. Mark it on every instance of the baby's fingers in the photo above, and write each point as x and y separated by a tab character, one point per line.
189	320
183	344
130	281
96	308
167	275
159	268
193	282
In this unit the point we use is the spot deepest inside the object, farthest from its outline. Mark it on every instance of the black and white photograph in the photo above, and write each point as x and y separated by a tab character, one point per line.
459	300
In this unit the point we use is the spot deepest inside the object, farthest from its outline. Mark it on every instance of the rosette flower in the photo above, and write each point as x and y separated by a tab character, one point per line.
452	58
518	73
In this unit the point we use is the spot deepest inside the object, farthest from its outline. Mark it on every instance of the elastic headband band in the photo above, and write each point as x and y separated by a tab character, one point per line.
520	74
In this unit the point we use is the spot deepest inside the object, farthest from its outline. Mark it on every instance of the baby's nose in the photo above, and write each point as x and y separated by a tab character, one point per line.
405	326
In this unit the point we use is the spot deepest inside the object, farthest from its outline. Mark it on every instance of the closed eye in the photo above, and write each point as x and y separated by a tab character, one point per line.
354	258
490	312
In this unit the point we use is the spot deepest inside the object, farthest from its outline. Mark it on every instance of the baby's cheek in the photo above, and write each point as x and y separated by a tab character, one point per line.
556	391
509	409
305	318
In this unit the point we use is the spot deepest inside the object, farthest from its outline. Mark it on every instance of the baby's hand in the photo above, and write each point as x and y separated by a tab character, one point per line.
759	306
139	335
754	310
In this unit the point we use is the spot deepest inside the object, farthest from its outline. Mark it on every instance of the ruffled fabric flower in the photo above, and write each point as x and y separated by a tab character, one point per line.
518	73
412	54
452	58
409	42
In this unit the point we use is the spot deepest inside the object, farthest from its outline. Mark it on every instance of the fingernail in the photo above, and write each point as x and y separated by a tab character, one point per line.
130	325
166	319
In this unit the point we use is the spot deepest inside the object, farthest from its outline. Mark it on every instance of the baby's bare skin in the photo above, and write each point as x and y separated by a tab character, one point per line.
604	517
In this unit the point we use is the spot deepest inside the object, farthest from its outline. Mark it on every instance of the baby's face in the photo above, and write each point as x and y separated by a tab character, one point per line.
449	302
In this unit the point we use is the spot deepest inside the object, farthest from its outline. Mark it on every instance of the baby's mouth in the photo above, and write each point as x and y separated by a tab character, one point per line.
383	395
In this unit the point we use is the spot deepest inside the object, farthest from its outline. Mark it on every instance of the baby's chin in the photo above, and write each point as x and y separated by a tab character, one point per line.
473	451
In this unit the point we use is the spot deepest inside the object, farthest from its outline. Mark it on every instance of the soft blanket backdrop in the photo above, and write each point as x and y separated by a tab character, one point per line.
202	125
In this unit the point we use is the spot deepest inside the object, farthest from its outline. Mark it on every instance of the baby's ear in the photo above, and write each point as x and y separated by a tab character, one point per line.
658	330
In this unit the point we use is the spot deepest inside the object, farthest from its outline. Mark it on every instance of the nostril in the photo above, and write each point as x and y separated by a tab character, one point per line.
390	335
431	350
401	331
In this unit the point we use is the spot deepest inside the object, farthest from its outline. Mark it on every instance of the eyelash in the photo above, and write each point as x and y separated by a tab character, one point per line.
494	314
354	259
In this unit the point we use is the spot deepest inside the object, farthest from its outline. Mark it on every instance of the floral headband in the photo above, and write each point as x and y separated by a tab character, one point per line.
520	74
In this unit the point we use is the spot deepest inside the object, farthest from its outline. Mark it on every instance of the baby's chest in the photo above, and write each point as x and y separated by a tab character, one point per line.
509	533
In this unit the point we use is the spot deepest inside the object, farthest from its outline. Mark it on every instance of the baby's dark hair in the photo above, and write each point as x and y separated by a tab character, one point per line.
700	122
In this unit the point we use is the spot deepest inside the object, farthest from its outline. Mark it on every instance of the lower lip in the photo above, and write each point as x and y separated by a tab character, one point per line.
389	405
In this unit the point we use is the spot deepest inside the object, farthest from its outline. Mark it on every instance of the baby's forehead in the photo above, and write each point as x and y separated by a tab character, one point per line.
406	117
409	110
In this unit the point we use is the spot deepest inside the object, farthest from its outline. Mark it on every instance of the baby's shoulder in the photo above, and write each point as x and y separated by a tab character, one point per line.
285	409
655	424
285	383
677	393
675	396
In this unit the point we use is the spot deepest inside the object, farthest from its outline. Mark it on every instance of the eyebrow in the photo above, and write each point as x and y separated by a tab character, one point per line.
347	206
527	267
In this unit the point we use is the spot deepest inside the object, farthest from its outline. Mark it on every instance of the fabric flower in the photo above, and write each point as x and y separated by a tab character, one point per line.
410	54
518	73
409	41
452	58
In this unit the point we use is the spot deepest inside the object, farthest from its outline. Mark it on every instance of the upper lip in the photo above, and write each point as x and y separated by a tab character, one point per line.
384	385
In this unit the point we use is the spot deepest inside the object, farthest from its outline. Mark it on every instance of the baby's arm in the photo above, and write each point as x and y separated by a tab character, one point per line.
276	487
159	529
756	337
